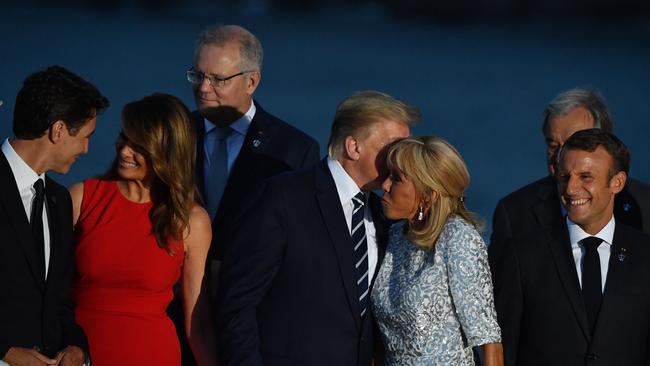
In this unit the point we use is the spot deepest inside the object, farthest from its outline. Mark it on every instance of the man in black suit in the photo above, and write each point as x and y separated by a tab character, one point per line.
239	144
537	205
54	116
579	293
294	283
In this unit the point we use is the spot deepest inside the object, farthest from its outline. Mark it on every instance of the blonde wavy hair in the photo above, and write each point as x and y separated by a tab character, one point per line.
440	177
159	127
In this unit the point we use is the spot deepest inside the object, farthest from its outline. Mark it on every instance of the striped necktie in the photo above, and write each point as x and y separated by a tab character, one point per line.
358	233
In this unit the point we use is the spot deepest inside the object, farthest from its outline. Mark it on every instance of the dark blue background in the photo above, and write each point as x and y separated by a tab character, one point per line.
480	84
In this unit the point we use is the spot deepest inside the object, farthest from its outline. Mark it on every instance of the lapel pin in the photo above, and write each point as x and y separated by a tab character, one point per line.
627	207
621	256
257	141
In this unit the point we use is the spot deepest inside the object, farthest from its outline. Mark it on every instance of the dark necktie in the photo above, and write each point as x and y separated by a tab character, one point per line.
358	233
36	221
592	292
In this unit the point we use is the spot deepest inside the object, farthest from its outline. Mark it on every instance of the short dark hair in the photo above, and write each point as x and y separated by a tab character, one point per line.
54	94
589	140
587	98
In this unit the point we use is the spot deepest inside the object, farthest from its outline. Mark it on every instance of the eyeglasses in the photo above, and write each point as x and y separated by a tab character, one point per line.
197	77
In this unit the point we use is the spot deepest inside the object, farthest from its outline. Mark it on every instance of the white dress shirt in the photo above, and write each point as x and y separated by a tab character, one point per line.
25	178
234	142
347	188
606	234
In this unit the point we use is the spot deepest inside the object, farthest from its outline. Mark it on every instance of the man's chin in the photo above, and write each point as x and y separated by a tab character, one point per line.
577	216
221	115
63	170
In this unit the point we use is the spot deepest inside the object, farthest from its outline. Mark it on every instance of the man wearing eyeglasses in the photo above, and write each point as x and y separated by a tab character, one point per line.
239	144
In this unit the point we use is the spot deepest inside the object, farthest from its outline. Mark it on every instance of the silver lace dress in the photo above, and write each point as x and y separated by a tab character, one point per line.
432	307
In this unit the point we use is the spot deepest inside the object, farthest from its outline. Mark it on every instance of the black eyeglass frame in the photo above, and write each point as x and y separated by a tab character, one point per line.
213	80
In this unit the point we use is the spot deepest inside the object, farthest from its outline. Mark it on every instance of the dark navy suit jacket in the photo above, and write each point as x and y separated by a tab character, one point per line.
288	293
271	146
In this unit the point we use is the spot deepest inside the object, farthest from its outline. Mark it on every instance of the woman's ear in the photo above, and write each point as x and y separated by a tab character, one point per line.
427	201
433	198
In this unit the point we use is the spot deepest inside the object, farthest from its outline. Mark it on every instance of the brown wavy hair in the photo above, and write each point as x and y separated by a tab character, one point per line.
433	165
159	127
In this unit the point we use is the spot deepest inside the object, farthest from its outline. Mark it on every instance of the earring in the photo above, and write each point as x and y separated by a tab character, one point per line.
420	214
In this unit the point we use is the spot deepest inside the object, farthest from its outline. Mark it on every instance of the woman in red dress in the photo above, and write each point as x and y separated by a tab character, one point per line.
138	230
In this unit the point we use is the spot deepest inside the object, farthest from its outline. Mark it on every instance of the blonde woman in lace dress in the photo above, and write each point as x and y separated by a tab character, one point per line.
432	297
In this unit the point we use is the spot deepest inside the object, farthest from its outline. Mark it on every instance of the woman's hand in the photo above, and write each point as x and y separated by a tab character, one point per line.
492	354
199	325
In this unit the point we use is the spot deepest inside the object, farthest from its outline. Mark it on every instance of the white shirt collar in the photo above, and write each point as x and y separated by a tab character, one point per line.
25	176
576	233
345	185
240	125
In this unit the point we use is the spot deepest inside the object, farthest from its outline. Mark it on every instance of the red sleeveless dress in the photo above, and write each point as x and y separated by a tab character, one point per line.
124	281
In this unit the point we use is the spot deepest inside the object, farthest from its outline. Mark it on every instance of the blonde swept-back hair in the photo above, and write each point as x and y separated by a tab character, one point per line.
433	165
159	126
356	115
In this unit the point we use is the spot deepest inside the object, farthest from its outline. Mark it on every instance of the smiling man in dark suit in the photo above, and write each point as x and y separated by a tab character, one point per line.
239	144
54	116
295	285
537	205
578	293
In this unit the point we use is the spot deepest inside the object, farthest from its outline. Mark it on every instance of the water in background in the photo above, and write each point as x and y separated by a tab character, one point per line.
482	85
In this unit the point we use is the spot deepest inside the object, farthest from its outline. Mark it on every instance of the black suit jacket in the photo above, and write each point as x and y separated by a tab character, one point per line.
540	308
288	293
271	146
35	313
537	206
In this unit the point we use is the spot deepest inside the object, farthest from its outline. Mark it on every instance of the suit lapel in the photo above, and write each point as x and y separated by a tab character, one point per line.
547	209
560	247
255	142
54	226
381	228
332	213
615	275
10	197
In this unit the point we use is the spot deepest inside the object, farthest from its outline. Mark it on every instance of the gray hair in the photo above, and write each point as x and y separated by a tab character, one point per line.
358	113
250	48
590	99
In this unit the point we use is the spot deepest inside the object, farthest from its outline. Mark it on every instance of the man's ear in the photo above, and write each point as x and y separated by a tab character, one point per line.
352	148
252	81
617	183
56	130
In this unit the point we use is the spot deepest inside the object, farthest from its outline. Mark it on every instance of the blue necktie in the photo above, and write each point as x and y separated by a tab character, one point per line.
217	175
358	233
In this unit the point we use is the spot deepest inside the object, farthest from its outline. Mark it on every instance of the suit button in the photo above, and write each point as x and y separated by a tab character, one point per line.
592	357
